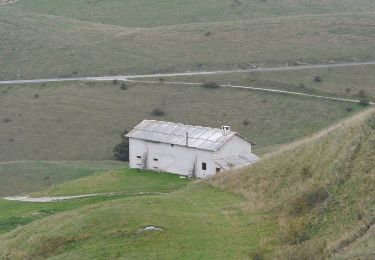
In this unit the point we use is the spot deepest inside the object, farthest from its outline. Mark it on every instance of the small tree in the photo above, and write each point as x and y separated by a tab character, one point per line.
318	79
121	151
157	112
364	99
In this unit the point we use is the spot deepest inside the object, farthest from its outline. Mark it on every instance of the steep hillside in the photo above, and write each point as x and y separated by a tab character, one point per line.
322	189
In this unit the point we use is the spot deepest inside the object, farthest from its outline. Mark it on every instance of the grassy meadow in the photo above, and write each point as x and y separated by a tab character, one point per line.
339	82
145	13
309	199
20	177
128	181
44	46
83	121
197	221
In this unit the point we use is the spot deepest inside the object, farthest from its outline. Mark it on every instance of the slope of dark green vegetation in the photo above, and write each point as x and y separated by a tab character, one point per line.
83	121
322	190
25	176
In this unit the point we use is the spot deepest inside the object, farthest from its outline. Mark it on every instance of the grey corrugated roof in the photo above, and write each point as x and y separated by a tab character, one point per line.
236	161
204	138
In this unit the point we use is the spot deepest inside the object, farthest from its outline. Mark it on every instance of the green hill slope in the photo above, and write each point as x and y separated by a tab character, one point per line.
146	13
83	121
22	177
44	46
197	222
308	201
321	188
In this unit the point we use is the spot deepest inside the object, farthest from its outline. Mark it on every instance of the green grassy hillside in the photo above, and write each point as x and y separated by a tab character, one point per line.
125	182
321	189
22	177
146	13
40	46
307	201
197	222
339	82
83	121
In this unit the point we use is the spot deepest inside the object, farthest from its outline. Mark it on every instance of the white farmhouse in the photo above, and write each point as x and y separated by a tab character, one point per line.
192	151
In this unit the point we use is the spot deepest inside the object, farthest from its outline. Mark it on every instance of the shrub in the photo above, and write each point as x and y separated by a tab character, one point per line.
347	90
7	120
308	200
36	96
245	122
208	33
306	173
364	98
115	81
301	85
161	80
364	102
123	86
349	109
312	249
295	231
317	79
121	151
157	112
211	85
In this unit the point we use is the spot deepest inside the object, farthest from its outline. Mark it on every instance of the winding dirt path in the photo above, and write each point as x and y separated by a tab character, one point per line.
62	198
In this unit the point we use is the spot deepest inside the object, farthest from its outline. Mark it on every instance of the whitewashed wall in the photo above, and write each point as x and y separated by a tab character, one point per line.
174	159
233	147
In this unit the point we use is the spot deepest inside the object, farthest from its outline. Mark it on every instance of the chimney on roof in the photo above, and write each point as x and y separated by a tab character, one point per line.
187	139
225	129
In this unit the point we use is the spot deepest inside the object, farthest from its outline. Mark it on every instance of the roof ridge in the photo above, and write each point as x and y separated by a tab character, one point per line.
182	124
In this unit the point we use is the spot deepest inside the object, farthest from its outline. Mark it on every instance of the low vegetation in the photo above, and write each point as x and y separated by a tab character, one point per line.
211	85
103	49
74	124
339	82
21	177
142	13
323	197
193	217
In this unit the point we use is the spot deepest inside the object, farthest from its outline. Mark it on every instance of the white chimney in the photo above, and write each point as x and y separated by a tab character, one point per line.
226	129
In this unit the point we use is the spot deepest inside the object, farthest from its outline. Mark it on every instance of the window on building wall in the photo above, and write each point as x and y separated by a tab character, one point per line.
156	159
204	166
139	157
218	170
